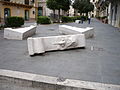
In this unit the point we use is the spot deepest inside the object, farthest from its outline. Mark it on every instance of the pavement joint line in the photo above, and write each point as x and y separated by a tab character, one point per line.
54	80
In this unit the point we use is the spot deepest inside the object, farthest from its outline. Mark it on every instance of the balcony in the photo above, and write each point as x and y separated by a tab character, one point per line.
7	0
42	1
16	4
27	2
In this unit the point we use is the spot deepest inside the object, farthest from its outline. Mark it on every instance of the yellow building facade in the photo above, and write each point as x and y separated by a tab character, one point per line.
22	8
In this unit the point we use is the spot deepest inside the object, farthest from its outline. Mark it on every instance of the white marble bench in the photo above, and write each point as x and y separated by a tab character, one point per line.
65	29
41	44
19	33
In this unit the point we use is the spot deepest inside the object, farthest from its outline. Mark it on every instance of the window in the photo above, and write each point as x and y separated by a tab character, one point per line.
40	11
33	12
27	2
32	1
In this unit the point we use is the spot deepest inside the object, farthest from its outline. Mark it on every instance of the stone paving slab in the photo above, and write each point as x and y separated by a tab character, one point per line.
28	81
99	62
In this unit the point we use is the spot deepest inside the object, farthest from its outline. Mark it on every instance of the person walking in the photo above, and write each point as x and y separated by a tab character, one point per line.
89	19
82	19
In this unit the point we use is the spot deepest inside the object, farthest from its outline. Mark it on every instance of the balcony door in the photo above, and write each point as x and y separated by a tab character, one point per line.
26	15
40	11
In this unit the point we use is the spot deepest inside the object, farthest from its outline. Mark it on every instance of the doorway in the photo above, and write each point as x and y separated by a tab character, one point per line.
40	11
6	12
26	14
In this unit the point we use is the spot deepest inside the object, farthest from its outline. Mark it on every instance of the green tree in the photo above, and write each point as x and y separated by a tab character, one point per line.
63	5
83	6
88	8
58	5
66	5
52	4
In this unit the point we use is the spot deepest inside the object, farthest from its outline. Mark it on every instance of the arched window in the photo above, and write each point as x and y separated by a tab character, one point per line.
6	12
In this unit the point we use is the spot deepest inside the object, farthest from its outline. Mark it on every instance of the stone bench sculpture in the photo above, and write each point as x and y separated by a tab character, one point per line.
19	33
65	29
41	44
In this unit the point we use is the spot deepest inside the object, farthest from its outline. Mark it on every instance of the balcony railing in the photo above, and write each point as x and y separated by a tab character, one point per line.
16	3
42	1
7	0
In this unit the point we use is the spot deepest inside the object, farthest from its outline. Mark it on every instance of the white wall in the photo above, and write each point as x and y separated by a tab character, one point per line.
48	12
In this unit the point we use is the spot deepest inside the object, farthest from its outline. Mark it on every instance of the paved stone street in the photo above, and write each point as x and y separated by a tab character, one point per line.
99	62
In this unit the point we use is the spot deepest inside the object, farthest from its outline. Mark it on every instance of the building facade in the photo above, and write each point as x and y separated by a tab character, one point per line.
22	8
94	12
42	8
28	9
44	11
111	9
114	13
102	8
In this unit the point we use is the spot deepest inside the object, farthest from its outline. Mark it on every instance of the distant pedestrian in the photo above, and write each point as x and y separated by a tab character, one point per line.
89	19
82	19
